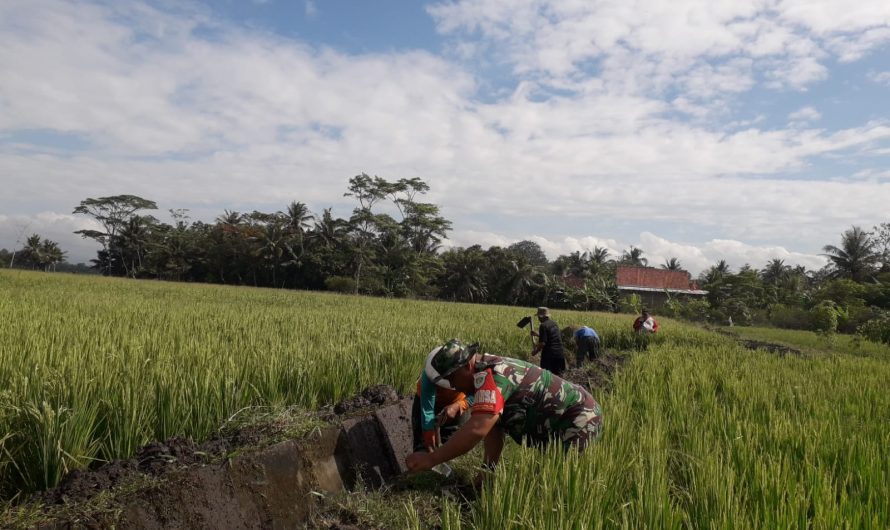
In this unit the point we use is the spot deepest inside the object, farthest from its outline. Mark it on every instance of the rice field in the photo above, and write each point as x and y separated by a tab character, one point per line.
700	433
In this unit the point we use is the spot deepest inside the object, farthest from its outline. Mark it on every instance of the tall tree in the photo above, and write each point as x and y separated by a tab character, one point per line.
857	257
881	235
463	275
296	222
530	251
111	213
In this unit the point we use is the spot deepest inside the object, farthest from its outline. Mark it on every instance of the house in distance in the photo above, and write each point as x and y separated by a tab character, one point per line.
655	286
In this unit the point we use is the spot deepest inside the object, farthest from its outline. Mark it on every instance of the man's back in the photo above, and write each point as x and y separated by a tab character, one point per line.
533	399
549	334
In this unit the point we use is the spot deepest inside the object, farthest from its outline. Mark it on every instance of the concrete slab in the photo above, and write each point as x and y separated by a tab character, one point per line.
395	424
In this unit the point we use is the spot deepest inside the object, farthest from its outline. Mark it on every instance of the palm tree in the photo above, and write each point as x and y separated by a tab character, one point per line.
230	218
672	264
32	252
524	278
464	275
599	255
634	256
52	254
328	231
775	273
296	221
715	273
857	257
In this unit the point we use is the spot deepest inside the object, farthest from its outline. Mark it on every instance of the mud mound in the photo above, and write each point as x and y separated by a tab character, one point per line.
596	374
373	396
261	475
80	485
771	347
752	344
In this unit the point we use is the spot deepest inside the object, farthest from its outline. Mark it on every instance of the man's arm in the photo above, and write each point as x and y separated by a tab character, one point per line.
542	340
465	439
494	444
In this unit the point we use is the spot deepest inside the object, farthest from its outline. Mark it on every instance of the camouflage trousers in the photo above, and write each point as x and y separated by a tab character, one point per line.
584	424
577	427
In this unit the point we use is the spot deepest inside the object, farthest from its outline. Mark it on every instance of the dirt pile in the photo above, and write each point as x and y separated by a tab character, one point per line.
247	478
596	374
372	396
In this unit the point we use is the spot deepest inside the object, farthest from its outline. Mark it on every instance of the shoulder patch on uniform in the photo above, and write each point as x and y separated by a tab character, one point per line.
479	379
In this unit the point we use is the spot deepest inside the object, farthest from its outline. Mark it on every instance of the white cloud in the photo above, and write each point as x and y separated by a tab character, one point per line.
805	114
14	229
881	78
660	44
244	120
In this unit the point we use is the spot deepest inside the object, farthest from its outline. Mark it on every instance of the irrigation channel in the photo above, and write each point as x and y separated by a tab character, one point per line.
251	478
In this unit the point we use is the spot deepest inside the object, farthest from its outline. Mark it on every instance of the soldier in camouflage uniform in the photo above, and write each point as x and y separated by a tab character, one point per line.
511	397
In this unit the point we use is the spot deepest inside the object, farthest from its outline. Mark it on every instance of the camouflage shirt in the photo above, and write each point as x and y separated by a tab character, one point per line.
535	405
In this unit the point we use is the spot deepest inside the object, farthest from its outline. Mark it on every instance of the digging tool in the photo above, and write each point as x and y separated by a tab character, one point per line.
527	321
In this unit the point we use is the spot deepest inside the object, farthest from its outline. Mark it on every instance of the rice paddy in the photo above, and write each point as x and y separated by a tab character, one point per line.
699	433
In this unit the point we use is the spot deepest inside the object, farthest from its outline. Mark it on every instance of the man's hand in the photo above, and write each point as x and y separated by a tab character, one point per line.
431	439
418	462
448	413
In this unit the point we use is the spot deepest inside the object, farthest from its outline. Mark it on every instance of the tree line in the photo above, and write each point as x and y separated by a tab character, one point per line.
391	246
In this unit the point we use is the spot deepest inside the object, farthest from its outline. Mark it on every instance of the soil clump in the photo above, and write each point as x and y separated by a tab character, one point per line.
598	373
373	396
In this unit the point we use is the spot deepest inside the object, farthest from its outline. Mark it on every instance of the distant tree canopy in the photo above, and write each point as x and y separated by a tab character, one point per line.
390	245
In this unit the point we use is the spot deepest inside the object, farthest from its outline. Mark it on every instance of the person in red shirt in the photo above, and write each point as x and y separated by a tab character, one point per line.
645	323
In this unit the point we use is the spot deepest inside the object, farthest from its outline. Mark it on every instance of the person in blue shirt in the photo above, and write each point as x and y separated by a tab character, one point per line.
587	344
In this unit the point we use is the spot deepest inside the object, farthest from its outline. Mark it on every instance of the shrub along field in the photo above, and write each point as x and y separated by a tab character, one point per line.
699	431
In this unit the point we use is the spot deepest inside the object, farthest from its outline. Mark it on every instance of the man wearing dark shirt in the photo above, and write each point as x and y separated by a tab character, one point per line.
549	344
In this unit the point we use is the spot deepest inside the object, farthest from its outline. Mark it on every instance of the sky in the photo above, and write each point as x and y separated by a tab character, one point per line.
696	129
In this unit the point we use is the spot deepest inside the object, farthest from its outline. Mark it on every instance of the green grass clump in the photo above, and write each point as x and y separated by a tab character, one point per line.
816	343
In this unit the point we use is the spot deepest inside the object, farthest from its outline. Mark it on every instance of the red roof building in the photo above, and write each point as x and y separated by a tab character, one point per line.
655	285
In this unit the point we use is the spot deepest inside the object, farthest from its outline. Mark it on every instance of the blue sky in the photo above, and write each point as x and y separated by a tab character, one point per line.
700	130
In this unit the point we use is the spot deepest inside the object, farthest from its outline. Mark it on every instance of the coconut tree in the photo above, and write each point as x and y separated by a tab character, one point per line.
857	257
672	264
464	274
634	256
775	273
296	221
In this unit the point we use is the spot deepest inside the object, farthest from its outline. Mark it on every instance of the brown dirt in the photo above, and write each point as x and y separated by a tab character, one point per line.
778	349
596	374
246	468
373	396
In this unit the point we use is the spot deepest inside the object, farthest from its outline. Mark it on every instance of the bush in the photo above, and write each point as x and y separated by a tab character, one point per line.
877	330
854	316
340	284
738	311
824	316
696	309
630	304
787	317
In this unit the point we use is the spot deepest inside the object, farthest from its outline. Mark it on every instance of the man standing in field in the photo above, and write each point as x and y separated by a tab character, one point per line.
587	344
549	343
510	397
